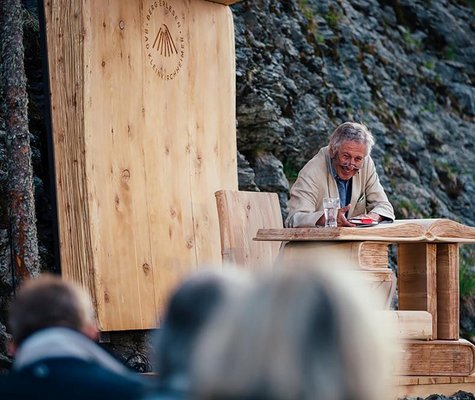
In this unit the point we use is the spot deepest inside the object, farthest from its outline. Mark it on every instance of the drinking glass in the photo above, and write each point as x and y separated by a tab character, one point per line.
330	207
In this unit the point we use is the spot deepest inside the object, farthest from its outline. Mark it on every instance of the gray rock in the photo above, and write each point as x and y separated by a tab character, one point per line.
246	174
464	96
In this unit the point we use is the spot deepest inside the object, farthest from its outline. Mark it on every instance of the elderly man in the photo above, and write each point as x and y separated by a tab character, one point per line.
342	169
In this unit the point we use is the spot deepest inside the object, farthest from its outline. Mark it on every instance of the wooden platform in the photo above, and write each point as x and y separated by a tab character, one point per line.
423	386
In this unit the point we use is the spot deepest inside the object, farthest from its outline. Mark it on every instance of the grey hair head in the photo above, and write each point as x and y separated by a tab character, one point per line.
350	131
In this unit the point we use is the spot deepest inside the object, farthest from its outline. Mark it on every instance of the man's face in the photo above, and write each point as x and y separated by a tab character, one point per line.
349	159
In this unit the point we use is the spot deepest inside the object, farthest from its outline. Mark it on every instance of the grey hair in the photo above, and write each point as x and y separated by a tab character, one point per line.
351	131
298	332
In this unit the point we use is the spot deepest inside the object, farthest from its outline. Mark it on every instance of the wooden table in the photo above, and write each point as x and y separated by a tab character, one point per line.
428	278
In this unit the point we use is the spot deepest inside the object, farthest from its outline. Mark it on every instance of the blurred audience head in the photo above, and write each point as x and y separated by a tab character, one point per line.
46	302
299	334
189	310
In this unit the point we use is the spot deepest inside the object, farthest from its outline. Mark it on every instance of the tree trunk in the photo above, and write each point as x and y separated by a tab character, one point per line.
20	192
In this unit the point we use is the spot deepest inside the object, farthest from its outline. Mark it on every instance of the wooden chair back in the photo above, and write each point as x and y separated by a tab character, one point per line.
240	215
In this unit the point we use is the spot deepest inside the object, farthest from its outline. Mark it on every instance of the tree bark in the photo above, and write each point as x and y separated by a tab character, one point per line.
20	191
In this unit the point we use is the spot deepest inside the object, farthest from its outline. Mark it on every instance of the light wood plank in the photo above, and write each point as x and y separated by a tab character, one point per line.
401	231
411	386
241	214
362	255
439	357
410	324
366	257
144	132
372	254
66	57
448	299
417	286
213	157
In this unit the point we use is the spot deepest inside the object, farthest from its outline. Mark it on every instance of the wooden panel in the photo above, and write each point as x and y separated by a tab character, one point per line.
409	386
448	301
116	172
373	254
150	137
226	2
363	256
440	357
410	324
417	279
213	156
66	60
241	214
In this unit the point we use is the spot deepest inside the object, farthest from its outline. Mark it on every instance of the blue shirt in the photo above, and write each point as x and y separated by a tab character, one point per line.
344	188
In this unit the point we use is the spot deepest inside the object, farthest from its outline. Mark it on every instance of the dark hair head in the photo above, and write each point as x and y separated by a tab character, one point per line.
189	309
46	302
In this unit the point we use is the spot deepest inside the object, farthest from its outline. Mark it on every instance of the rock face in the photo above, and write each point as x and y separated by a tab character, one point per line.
404	68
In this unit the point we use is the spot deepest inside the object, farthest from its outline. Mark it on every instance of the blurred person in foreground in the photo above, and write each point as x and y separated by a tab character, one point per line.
343	169
53	329
189	309
299	334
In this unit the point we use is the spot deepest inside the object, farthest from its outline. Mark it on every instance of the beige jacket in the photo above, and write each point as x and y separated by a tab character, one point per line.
316	181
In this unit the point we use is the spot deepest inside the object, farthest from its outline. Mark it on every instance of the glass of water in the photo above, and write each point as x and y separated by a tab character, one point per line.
330	207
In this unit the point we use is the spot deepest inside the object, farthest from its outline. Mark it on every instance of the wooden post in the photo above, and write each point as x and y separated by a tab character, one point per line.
448	297
417	286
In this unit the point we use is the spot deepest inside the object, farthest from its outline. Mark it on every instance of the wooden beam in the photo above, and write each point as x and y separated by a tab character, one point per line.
402	231
448	302
423	386
410	324
417	279
437	358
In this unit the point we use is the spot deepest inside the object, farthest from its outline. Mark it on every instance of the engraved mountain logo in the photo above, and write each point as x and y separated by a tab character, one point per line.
164	39
164	42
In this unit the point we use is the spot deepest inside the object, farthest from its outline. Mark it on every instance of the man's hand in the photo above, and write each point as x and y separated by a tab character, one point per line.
341	219
372	215
375	217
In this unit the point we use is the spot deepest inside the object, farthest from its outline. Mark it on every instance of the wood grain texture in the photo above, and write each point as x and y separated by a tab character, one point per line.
364	257
423	386
144	134
438	358
416	230
448	294
66	58
225	2
372	254
241	214
410	324
417	286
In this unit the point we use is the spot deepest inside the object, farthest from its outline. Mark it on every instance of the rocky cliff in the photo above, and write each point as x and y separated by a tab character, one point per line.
404	68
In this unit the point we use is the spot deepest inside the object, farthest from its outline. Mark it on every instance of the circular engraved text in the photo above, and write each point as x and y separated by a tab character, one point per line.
164	40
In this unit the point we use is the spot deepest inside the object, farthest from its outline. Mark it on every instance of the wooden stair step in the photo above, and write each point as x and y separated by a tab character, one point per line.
437	358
